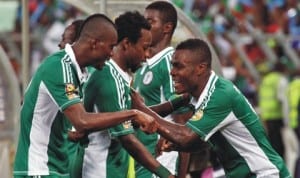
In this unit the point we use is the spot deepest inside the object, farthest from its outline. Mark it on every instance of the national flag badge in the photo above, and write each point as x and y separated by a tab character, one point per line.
148	78
127	124
198	115
71	91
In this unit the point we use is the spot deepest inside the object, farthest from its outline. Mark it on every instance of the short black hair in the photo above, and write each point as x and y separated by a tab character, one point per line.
130	24
167	10
77	25
91	24
199	47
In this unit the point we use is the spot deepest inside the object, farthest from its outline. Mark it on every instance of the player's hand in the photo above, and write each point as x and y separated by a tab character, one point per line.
137	101
162	141
146	122
164	146
75	135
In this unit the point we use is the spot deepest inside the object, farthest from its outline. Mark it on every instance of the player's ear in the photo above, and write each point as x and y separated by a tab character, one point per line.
92	43
168	27
200	68
125	43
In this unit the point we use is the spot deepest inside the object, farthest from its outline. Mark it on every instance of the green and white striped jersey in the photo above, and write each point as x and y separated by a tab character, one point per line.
107	90
43	144
228	122
154	82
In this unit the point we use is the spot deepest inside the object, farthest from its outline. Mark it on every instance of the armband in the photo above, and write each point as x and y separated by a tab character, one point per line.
176	102
162	172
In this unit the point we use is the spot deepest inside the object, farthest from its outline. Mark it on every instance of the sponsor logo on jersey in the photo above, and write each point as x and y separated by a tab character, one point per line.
148	78
197	116
127	124
71	91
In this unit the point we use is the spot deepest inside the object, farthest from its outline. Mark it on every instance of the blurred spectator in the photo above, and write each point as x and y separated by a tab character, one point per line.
294	100
273	104
48	19
52	38
65	16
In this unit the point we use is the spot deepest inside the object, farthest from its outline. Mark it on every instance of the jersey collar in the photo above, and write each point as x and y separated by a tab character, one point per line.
124	74
157	56
197	102
81	74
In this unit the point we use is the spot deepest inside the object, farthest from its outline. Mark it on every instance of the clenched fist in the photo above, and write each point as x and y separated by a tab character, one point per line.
146	122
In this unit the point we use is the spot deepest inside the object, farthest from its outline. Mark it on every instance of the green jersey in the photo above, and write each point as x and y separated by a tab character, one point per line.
43	145
228	122
107	90
154	82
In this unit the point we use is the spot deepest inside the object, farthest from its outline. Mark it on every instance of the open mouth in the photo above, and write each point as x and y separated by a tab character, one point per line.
176	83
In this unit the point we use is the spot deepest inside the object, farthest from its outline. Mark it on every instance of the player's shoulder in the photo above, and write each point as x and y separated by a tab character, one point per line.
103	74
224	84
162	58
53	64
227	91
58	58
224	89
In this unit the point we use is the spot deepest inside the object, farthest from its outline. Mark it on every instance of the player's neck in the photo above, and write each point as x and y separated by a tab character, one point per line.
159	47
118	57
201	83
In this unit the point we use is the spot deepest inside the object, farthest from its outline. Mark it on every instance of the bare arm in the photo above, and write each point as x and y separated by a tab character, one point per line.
165	108
84	121
184	157
140	153
183	137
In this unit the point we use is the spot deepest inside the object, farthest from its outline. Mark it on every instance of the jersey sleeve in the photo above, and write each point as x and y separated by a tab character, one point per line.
62	84
109	95
207	121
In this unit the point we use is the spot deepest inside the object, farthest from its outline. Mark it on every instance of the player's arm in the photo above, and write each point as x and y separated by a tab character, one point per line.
171	105
184	160
84	121
164	108
184	157
184	138
140	153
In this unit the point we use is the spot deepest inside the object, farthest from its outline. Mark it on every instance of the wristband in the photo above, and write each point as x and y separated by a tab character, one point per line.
162	172
176	102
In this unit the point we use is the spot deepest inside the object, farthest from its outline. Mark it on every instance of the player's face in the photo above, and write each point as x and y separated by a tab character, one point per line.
183	71
139	51
155	20
103	49
67	37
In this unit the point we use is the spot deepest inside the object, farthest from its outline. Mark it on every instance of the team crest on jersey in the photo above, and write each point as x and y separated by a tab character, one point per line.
71	91
148	78
127	124
197	116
